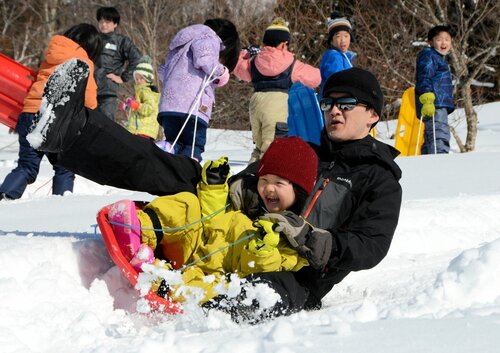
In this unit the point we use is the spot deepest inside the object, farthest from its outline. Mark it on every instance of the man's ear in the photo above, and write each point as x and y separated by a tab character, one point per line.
373	118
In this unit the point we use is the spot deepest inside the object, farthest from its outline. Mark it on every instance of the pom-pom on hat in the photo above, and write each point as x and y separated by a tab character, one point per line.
278	31
338	23
145	69
291	158
358	83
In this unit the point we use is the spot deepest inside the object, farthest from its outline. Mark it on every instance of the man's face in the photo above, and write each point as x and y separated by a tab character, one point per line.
442	43
341	40
346	125
106	26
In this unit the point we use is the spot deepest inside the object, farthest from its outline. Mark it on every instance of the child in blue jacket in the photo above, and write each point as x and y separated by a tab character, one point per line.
337	57
434	90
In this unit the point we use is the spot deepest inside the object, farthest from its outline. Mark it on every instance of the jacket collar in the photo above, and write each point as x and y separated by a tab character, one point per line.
355	152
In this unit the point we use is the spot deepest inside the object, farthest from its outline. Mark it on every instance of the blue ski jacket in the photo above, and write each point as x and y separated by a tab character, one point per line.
433	75
332	61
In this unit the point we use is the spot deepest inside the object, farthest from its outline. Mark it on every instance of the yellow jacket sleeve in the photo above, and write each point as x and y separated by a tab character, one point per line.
212	198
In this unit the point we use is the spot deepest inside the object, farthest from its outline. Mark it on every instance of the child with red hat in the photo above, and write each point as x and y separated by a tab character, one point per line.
235	243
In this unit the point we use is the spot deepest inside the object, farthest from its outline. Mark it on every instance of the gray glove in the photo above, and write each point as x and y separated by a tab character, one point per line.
314	244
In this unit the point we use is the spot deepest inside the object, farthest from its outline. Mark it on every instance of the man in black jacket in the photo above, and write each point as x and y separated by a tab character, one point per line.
347	224
356	202
117	62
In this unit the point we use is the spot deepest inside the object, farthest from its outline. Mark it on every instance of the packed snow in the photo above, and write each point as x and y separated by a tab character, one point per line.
438	289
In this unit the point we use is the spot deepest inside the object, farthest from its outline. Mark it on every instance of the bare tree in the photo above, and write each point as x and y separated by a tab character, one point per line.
386	34
386	47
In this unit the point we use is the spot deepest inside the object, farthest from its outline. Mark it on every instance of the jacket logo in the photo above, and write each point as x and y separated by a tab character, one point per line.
110	46
347	181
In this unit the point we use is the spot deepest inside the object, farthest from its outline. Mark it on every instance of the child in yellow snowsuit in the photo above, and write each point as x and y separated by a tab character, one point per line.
227	241
143	108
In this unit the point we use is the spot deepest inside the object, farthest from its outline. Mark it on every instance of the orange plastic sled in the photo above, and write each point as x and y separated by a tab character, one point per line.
156	302
15	82
409	132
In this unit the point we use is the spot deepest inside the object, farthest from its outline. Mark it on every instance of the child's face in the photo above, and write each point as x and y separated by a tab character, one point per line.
341	40
442	43
106	26
139	80
276	192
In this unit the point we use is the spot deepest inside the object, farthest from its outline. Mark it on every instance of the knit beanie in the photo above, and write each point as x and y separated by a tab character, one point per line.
338	23
293	159
358	83
145	69
277	32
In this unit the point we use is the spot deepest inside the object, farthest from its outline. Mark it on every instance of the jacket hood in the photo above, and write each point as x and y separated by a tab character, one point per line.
356	152
61	48
272	61
191	33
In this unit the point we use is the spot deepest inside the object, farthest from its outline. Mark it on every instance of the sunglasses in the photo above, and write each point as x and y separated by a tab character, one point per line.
343	103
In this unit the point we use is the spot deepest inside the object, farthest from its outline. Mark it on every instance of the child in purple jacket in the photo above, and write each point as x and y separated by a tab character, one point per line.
200	59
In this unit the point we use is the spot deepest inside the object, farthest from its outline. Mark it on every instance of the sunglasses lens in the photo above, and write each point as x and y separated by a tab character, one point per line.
346	106
346	103
326	104
343	103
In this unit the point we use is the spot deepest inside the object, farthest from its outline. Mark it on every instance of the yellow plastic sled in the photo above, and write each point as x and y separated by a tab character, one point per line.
409	132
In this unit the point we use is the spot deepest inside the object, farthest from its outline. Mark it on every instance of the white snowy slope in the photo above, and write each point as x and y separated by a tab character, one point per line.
438	290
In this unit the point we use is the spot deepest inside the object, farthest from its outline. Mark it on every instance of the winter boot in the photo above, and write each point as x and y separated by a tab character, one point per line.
61	116
144	255
126	226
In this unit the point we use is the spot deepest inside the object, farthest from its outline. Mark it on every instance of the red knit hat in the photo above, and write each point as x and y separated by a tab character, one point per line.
293	159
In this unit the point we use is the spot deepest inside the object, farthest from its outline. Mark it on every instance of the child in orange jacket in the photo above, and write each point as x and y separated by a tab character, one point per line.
83	42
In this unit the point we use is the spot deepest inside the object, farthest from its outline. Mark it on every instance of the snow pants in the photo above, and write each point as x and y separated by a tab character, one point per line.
107	105
266	109
108	154
172	124
294	297
442	133
28	166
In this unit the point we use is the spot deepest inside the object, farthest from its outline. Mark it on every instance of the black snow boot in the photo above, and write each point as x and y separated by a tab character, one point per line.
62	114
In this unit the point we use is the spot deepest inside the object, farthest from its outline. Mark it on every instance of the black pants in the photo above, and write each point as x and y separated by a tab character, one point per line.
108	154
107	105
293	295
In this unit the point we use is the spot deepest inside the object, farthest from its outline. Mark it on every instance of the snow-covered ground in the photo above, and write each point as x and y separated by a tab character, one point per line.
438	290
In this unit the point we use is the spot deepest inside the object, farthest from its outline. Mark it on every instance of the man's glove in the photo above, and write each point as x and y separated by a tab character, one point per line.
252	50
132	103
292	226
215	172
314	244
428	109
267	241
